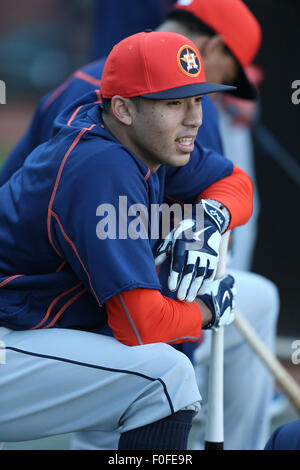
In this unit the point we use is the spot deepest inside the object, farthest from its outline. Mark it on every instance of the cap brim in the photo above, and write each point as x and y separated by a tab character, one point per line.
244	88
187	91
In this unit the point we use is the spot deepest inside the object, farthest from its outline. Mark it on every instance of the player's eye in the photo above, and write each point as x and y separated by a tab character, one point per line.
199	98
174	103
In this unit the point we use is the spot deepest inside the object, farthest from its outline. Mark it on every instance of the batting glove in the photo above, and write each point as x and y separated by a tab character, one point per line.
220	299
194	247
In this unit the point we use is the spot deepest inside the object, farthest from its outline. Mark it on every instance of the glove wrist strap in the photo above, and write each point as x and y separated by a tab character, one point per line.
222	220
211	304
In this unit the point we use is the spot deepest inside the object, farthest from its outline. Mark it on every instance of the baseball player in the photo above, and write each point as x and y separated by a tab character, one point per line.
63	279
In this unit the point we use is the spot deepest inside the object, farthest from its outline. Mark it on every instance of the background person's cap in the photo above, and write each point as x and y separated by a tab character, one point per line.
239	29
157	65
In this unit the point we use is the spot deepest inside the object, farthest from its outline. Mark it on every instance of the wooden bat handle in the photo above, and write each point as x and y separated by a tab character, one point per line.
284	379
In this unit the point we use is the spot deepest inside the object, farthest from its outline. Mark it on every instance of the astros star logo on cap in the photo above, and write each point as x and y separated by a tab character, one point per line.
188	61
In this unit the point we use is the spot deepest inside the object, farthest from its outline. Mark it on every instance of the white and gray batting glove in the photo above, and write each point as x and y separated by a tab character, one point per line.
220	299
194	248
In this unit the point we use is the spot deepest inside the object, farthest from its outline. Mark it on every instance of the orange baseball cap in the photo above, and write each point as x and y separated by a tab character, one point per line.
238	27
156	65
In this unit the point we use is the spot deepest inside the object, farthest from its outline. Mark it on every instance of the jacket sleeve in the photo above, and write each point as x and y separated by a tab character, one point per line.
143	316
235	192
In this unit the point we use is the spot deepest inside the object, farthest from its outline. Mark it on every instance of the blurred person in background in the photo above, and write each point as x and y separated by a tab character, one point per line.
236	117
116	19
285	437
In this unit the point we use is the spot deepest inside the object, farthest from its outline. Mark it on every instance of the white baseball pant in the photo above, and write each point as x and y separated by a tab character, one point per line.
61	381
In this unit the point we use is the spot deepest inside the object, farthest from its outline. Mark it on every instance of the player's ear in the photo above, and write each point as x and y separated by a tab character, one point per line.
121	109
212	44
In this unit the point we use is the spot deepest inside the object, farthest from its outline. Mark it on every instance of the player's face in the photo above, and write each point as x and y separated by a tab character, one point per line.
164	131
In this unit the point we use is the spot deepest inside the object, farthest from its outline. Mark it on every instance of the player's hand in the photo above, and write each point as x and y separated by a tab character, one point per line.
194	247
220	299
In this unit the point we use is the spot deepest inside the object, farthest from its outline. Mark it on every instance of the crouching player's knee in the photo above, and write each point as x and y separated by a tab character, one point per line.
177	399
177	372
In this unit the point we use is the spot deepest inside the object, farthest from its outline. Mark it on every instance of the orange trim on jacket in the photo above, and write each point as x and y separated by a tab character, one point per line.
99	99
67	304
9	279
87	78
61	266
74	143
51	213
69	241
73	115
148	174
56	93
78	74
53	303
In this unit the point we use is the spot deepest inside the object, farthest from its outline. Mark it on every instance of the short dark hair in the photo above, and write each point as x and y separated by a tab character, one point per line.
189	21
137	100
193	25
106	102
